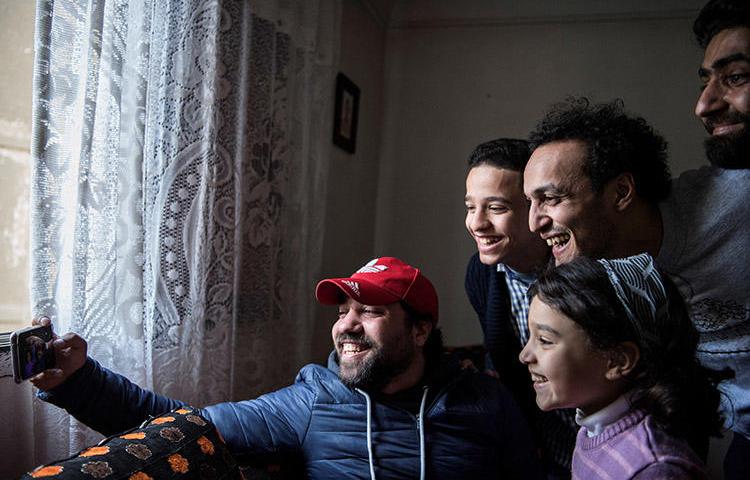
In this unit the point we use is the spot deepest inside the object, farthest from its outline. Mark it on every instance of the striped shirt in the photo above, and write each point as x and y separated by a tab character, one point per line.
518	287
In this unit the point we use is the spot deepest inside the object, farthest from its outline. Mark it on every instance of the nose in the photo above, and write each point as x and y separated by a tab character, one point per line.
349	323
537	218
711	99
477	219
526	356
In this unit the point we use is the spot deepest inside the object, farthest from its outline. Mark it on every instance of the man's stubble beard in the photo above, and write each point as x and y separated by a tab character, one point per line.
729	152
379	368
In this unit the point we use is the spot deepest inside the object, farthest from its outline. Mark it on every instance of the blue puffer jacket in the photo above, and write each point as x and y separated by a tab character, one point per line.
470	426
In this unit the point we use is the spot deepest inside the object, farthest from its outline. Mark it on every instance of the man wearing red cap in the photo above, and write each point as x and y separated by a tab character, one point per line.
387	406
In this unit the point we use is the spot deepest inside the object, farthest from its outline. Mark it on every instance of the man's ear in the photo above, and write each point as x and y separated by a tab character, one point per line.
622	188
622	360
421	331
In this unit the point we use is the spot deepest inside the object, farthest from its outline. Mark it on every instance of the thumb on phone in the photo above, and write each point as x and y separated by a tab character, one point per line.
70	355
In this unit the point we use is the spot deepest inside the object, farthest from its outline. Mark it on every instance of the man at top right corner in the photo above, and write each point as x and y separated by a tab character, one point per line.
722	30
706	246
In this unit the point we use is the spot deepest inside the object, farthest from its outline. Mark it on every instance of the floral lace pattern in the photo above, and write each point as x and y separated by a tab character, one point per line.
180	151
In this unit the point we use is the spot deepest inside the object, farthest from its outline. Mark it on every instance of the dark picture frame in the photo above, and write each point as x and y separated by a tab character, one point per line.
346	113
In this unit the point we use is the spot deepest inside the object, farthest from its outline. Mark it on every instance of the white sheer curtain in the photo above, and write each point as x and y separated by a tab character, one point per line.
181	150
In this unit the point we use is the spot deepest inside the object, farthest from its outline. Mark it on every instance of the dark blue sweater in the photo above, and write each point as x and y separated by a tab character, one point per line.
488	293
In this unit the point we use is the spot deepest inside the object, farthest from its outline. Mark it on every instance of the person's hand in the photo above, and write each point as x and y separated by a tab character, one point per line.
70	355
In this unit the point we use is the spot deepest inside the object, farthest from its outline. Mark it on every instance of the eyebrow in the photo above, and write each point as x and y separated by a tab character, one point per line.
495	198
546	188
723	62
546	328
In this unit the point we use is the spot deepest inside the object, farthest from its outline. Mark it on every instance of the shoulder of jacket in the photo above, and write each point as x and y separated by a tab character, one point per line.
326	383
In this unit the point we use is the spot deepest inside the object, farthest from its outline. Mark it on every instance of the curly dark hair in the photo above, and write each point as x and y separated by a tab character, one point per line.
616	143
508	153
670	384
718	15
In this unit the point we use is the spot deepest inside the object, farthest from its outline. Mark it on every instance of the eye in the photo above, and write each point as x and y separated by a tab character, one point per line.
498	208
543	341
470	207
550	200
342	313
736	79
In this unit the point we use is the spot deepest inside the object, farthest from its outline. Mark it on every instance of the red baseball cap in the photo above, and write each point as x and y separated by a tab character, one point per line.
382	281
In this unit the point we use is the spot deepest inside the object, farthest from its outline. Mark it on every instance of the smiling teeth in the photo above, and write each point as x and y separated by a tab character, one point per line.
487	240
351	348
558	239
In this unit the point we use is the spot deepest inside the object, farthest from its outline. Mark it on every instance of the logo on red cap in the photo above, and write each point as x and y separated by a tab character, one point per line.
353	285
372	267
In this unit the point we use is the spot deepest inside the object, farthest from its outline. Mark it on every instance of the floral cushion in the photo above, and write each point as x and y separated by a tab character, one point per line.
180	444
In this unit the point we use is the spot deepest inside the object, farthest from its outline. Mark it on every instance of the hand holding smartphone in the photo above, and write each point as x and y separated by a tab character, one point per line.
31	351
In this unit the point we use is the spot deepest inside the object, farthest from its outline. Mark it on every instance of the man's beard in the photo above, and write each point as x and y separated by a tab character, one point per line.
732	152
380	366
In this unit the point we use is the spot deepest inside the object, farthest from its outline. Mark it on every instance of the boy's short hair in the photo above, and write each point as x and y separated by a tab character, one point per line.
508	153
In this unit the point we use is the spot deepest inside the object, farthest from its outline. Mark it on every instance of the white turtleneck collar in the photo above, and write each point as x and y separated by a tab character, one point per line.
599	420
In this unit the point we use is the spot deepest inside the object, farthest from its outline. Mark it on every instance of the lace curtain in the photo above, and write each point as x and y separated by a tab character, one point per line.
181	150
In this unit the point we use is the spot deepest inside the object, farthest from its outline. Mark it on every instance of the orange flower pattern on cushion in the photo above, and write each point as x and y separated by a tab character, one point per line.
162	420
193	447
172	434
50	471
140	476
95	451
207	446
97	469
178	463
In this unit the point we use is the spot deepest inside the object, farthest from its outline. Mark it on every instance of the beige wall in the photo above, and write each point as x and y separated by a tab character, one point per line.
16	58
451	84
349	240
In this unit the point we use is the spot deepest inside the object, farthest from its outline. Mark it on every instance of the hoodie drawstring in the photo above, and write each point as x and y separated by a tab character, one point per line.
420	427
420	424
369	432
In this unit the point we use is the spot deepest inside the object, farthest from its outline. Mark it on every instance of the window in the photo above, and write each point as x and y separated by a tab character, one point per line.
17	55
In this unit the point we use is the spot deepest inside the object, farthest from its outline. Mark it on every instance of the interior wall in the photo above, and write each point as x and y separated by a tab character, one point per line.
349	238
451	85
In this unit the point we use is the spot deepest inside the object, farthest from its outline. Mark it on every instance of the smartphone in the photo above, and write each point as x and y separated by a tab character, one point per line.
31	350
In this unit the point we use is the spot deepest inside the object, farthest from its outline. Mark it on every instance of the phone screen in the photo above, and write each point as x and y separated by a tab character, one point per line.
31	352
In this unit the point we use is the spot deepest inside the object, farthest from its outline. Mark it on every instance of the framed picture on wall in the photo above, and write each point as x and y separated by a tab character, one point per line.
345	113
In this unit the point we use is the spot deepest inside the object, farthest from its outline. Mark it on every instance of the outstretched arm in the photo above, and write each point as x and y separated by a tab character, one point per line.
275	423
105	401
